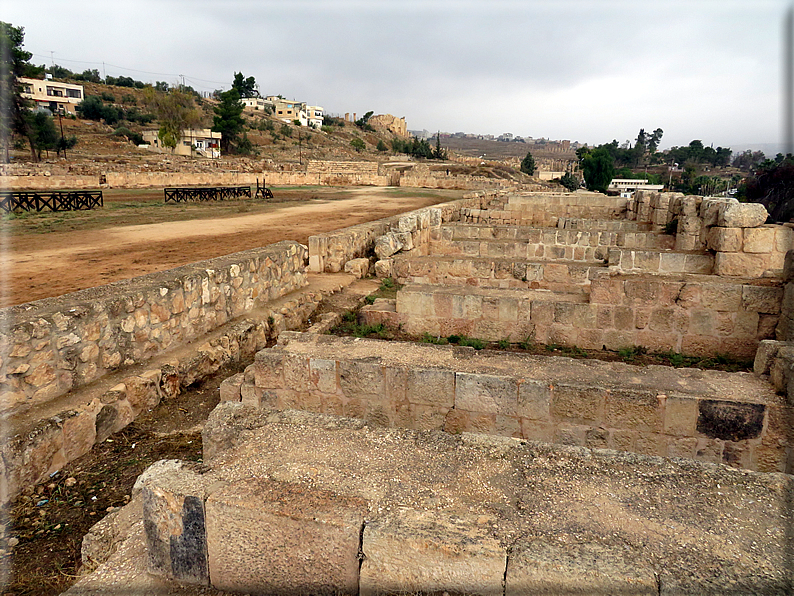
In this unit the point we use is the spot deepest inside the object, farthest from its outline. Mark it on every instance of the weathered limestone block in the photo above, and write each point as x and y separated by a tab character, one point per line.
710	210
387	245
407	223
762	299
725	239
488	394
740	264
359	268
270	537
759	240
384	268
542	567
430	552
174	521
230	387
742	215
765	356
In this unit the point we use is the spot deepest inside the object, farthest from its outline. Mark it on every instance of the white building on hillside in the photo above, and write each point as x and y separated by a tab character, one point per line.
627	186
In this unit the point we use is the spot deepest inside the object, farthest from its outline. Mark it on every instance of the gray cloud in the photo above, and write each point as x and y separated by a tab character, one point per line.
588	70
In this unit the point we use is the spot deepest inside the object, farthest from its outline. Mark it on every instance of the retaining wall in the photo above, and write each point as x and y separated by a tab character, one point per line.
329	252
730	417
691	316
57	345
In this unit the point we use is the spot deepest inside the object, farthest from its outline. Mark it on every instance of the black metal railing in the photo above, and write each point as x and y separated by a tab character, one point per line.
60	200
206	193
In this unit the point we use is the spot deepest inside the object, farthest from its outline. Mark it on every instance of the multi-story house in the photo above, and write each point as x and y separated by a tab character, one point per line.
55	96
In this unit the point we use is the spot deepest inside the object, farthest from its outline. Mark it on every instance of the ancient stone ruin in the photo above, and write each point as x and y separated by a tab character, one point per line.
348	465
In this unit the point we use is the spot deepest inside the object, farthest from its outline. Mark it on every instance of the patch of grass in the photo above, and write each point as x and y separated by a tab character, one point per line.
429	339
370	299
453	339
629	354
527	344
503	344
471	342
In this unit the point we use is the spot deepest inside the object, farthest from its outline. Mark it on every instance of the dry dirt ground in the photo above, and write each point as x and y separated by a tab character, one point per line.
50	254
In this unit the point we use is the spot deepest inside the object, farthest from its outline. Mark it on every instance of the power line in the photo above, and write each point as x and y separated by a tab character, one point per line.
162	74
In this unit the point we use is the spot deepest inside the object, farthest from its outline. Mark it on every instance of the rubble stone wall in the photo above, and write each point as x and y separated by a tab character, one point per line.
329	252
56	345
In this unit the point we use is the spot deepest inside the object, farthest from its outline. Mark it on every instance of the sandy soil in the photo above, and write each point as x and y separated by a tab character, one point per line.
43	265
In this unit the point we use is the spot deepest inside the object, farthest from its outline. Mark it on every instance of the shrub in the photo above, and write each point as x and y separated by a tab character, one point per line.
503	344
382	146
108	97
285	130
357	144
134	137
128	98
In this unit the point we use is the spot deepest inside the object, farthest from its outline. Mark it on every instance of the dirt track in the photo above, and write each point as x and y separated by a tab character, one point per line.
44	265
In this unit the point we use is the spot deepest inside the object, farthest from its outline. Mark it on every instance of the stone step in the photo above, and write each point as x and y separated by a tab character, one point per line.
692	315
495	273
602	225
539	243
716	416
335	505
660	261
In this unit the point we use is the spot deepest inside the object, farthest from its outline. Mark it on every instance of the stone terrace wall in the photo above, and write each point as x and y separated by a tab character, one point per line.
545	209
329	252
58	344
316	173
708	415
692	315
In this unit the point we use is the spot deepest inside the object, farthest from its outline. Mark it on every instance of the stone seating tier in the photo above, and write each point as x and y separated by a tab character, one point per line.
713	416
563	276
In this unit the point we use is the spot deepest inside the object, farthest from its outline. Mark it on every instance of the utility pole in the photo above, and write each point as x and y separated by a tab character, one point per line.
63	144
788	78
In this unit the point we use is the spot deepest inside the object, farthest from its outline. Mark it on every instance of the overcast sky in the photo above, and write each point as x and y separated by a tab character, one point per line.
586	70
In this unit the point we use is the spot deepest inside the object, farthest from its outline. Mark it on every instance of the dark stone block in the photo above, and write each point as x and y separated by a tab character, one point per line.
189	551
105	421
730	421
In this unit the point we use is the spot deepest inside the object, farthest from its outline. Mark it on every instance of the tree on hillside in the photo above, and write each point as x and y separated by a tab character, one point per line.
528	164
13	64
175	112
772	185
245	87
44	136
228	119
598	168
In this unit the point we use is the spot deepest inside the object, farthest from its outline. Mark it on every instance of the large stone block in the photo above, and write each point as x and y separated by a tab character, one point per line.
742	215
572	403
487	394
268	537
431	387
358	268
762	299
431	552
638	410
541	567
759	240
174	521
724	239
740	265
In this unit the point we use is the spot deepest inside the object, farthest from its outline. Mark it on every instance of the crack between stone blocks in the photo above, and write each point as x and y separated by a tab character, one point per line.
361	556
504	577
